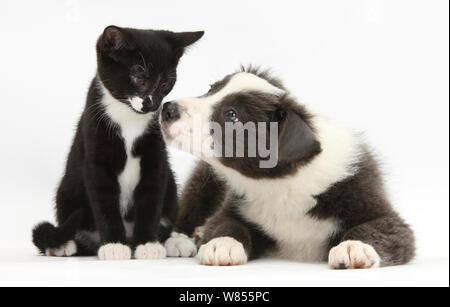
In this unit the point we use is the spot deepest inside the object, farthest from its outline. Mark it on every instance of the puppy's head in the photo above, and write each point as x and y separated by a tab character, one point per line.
246	122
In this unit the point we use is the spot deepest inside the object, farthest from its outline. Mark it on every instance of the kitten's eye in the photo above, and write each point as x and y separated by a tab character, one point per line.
231	116
164	88
137	80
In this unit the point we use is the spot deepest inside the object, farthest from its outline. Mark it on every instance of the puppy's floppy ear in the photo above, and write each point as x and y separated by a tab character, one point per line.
181	40
115	39
296	139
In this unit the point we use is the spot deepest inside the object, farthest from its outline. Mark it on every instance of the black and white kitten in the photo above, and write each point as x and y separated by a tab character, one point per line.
118	191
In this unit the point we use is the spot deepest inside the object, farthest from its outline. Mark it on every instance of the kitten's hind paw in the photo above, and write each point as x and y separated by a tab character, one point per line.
66	250
150	251
114	251
180	245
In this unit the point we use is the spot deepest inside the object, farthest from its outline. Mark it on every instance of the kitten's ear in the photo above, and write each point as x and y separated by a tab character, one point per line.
181	40
114	39
184	39
296	139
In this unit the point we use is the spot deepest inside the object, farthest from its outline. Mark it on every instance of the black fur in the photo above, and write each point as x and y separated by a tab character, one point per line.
46	235
202	195
87	199
295	148
359	203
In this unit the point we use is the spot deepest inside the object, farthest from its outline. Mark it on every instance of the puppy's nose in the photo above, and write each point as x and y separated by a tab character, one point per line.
170	112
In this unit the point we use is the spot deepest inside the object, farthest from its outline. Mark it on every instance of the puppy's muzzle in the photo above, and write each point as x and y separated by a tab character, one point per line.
170	112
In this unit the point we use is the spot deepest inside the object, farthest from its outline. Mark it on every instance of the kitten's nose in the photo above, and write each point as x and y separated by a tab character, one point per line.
149	105
170	112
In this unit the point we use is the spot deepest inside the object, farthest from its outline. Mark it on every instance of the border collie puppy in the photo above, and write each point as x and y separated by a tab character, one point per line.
118	191
322	201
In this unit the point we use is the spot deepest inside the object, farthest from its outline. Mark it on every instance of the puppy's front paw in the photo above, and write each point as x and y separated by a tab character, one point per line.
114	251
180	245
222	251
150	251
66	250
353	255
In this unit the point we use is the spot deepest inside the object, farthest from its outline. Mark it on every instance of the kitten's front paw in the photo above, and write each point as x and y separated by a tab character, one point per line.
353	255
180	245
114	251
222	251
150	251
66	250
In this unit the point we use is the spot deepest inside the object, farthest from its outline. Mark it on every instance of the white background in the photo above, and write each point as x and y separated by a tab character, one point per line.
380	66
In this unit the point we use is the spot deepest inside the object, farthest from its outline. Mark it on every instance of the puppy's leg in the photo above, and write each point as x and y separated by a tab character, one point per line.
227	241
180	245
384	241
223	251
202	196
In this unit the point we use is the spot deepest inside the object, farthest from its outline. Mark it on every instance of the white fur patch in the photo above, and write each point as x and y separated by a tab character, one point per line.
150	251
280	206
128	180
114	251
180	245
132	126
67	250
244	82
222	251
353	255
136	103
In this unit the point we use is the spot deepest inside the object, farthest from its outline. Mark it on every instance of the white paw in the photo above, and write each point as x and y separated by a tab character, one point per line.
114	251
66	250
180	245
150	251
353	255
222	251
199	231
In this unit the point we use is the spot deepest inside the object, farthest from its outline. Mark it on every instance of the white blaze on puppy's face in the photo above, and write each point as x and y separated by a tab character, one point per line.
242	82
192	131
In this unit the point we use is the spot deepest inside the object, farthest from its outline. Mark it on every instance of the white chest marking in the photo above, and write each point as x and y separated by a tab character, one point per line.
128	180
132	126
280	206
299	236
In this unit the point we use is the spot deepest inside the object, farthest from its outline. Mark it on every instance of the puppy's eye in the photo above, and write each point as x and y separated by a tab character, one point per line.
231	116
164	85
137	80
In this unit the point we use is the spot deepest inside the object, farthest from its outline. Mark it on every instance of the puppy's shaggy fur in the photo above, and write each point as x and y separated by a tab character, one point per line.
324	200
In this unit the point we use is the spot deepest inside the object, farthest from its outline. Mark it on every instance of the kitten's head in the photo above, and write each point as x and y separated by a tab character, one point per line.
138	67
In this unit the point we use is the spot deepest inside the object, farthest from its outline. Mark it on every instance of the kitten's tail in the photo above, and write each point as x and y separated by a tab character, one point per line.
46	235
